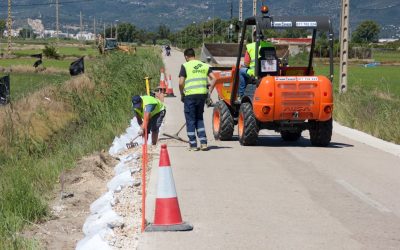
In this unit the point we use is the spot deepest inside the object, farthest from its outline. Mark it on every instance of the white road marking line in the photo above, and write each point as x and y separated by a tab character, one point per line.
363	197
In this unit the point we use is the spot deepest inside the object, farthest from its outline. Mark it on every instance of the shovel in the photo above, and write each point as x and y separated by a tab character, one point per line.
176	136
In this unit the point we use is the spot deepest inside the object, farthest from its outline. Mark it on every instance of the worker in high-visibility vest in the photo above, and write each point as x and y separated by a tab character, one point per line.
193	79
150	113
250	63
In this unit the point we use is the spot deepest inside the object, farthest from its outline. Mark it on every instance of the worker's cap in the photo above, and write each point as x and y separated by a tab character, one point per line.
136	101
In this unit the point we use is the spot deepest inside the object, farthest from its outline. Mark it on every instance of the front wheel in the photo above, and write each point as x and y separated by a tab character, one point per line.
247	125
321	133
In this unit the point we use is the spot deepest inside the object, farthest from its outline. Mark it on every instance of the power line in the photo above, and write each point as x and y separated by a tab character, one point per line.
47	4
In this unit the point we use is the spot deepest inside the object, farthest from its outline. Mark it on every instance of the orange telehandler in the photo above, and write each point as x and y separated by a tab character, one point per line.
286	99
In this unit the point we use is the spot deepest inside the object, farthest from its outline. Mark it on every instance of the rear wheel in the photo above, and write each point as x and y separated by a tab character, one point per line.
321	133
223	124
247	125
290	136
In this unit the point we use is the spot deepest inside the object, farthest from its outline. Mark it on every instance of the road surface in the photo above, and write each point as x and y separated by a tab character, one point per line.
279	195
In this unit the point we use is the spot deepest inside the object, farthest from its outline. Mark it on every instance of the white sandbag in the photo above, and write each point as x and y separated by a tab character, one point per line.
123	179
102	203
98	222
96	241
120	168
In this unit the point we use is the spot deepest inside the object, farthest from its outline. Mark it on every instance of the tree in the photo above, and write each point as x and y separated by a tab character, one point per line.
163	32
26	33
126	32
366	32
2	27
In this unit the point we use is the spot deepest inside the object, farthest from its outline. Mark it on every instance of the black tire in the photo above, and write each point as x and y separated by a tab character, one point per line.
321	133
290	136
247	126
222	122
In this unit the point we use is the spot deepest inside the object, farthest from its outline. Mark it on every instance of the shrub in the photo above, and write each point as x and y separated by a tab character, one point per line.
51	52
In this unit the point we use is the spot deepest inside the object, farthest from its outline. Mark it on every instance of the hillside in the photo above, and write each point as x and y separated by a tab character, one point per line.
177	13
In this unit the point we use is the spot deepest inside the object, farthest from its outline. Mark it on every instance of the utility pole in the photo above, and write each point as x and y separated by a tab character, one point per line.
57	24
116	31
213	22
231	9
254	14
9	24
94	30
344	45
104	30
240	10
240	17
81	24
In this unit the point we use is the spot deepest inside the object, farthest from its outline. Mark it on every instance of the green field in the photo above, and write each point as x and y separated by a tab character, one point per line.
63	51
386	56
385	79
372	101
23	84
59	64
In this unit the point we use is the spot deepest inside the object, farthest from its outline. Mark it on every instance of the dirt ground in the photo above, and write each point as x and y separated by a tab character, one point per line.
80	187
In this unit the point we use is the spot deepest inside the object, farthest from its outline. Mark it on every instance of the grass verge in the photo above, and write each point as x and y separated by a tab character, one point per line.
30	163
23	84
372	102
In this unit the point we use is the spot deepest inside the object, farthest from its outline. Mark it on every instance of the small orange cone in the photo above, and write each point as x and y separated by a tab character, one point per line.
170	89
167	213
163	82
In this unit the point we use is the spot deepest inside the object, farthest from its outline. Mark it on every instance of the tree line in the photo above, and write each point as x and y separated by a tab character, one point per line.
212	31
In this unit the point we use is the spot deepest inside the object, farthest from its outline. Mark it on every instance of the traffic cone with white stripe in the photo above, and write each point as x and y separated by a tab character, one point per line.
163	81
167	213
170	88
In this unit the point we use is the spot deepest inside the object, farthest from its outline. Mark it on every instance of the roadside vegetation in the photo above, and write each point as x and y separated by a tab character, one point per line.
43	136
371	103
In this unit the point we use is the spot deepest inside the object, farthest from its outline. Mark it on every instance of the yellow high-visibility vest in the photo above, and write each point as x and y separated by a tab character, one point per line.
251	49
196	77
149	100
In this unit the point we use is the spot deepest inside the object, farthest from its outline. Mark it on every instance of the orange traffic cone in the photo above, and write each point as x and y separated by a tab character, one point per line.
167	213
170	89
163	83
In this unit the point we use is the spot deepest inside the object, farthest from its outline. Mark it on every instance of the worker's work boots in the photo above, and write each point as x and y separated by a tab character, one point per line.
203	147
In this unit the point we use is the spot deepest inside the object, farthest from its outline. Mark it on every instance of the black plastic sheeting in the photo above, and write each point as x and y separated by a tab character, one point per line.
77	67
4	90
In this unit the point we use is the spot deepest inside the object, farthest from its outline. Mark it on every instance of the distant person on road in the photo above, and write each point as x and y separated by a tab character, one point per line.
150	113
168	50
193	79
249	63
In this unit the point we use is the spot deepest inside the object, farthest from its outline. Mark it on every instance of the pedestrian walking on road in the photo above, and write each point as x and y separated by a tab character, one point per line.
193	79
150	113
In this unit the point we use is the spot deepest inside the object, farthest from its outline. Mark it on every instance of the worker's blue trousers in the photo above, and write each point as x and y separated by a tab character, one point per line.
194	109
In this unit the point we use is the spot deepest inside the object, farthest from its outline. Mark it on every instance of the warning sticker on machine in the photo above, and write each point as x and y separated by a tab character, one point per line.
225	74
306	24
307	78
285	79
281	24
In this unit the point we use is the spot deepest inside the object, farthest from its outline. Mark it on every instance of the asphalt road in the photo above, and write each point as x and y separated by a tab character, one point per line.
279	195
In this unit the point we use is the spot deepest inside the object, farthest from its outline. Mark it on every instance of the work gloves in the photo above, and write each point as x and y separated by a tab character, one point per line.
141	132
182	98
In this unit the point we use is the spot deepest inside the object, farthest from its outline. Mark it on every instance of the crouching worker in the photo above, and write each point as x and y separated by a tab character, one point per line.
149	112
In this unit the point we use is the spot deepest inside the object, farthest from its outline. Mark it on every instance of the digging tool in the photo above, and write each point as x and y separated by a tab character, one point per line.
132	144
176	136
